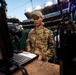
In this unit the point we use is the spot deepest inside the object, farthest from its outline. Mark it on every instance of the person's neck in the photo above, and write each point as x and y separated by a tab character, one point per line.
39	27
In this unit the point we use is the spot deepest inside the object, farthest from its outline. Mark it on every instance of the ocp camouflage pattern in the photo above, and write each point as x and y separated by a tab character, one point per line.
41	42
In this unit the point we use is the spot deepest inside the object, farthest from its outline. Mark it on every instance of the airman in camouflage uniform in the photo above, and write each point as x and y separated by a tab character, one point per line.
41	42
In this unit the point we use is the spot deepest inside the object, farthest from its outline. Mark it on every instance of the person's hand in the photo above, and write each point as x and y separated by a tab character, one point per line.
40	57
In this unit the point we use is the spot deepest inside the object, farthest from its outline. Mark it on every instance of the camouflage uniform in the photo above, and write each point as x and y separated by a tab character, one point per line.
41	42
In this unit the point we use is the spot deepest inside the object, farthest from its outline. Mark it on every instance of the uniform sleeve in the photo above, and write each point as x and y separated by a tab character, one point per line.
28	46
51	46
51	41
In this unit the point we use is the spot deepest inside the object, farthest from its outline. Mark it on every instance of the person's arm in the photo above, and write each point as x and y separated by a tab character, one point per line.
28	46
51	46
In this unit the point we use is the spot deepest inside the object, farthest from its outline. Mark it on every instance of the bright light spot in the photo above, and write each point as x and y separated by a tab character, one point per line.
68	0
29	10
38	8
49	4
12	16
56	1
